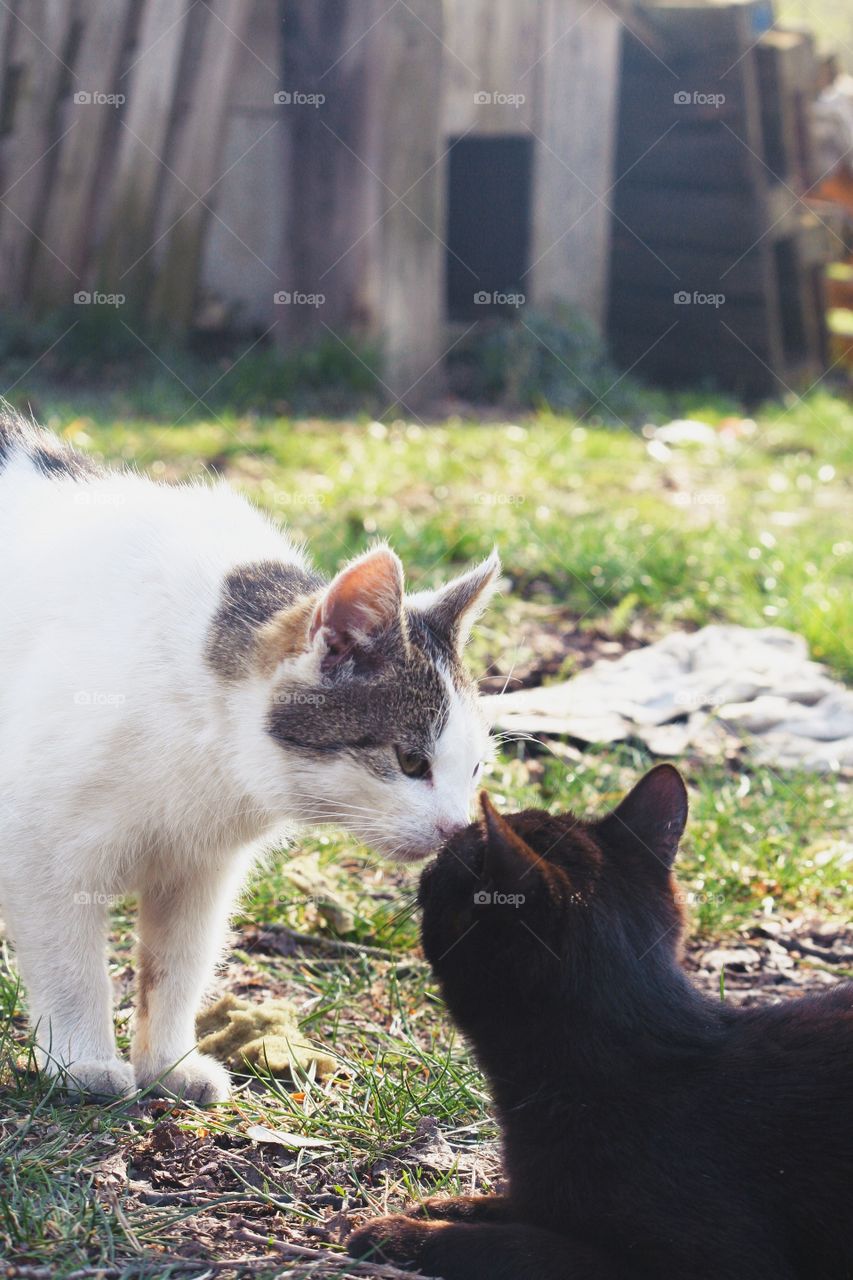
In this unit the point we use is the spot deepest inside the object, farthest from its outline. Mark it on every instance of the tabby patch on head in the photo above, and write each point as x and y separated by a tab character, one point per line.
367	687
397	692
387	672
50	456
252	595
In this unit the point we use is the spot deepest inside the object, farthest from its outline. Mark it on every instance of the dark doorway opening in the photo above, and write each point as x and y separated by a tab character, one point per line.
794	339
488	225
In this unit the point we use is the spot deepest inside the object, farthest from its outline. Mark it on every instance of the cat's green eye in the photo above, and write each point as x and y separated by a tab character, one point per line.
412	764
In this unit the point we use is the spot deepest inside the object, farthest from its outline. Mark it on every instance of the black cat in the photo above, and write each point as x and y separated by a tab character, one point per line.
650	1132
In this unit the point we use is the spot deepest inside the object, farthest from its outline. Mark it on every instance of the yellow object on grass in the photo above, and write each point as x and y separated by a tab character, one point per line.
238	1032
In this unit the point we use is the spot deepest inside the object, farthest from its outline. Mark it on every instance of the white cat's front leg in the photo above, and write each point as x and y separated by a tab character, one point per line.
181	930
60	948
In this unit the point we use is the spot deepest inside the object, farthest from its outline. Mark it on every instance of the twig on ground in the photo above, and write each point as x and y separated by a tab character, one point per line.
319	1262
335	946
379	1270
809	949
153	1266
200	1199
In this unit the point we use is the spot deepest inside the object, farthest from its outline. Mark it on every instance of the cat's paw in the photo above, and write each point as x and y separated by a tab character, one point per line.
197	1078
99	1078
399	1240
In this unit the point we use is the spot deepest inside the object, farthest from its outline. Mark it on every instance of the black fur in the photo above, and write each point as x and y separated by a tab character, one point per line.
650	1132
50	455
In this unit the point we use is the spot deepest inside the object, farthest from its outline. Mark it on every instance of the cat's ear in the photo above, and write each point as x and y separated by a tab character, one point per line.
360	608
452	610
652	816
507	858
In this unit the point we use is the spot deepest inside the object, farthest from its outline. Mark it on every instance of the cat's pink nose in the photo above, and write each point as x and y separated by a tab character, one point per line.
444	830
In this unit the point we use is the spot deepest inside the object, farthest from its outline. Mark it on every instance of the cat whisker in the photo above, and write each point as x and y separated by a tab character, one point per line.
541	743
340	806
509	674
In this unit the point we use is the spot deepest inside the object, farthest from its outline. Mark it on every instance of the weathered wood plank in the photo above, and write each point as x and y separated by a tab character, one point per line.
787	71
41	48
709	270
74	190
650	313
196	160
9	78
761	192
745	219
328	247
723	220
574	165
241	260
697	157
685	344
731	26
376	259
123	262
410	298
8	19
491	66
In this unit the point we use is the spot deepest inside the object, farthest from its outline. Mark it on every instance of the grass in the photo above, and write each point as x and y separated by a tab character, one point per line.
755	533
600	533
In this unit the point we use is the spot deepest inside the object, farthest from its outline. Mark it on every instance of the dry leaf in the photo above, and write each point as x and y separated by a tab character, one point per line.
280	1138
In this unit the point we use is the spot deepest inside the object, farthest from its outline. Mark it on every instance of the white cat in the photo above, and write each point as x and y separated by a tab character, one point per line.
177	689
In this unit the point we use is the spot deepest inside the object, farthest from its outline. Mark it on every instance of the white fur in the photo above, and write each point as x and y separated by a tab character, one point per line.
127	765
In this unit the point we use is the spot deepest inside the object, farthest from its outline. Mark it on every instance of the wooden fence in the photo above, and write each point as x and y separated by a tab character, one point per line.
147	151
115	118
719	248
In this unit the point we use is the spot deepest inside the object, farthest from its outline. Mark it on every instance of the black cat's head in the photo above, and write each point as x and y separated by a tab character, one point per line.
524	912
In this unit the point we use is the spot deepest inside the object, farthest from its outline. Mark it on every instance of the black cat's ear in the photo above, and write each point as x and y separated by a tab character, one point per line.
508	858
652	816
452	610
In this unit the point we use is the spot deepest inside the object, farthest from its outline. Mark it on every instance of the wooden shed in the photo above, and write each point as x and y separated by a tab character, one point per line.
356	168
719	245
458	164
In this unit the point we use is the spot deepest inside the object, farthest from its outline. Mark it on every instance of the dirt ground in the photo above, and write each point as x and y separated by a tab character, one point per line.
237	1193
